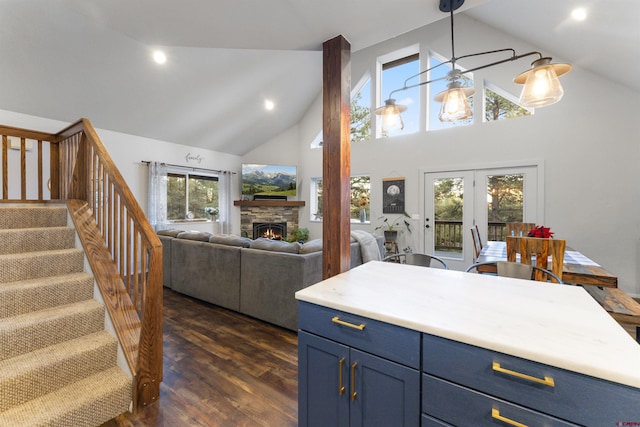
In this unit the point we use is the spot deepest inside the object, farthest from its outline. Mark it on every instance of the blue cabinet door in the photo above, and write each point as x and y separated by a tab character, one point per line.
323	387
386	393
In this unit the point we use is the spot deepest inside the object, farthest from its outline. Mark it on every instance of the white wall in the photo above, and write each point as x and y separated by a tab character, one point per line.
589	143
128	151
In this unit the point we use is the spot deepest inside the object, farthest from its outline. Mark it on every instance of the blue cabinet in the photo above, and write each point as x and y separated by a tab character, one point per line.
465	384
343	382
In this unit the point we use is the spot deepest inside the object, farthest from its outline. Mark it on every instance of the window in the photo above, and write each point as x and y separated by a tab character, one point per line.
500	105
395	68
360	198
435	88
360	114
189	196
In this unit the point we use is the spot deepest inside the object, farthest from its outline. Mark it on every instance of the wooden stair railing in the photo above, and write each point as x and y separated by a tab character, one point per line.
123	250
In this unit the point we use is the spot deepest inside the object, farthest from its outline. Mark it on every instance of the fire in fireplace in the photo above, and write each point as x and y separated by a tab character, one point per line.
270	230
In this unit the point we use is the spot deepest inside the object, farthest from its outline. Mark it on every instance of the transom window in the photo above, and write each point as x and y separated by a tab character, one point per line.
394	69
500	105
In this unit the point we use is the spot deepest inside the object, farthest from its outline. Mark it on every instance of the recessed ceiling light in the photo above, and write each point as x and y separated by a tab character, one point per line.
159	57
579	14
268	104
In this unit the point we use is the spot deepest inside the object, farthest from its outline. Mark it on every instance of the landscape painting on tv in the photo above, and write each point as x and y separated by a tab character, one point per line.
268	180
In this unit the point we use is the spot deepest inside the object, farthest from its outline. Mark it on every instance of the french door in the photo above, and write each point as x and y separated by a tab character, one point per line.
454	201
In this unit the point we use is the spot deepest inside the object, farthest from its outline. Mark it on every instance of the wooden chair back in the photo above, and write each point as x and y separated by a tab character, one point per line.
519	229
477	243
542	249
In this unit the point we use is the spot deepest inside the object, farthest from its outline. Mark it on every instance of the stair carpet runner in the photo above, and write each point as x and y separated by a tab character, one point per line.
57	362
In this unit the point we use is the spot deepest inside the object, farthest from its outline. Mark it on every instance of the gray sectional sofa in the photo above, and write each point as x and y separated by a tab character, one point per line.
255	277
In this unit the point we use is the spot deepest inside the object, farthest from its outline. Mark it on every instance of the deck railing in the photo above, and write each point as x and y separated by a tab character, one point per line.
449	234
124	252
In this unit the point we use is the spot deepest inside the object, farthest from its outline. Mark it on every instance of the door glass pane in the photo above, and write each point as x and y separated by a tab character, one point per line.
504	203
448	203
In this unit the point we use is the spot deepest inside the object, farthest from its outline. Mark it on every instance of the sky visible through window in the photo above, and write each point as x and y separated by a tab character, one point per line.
393	78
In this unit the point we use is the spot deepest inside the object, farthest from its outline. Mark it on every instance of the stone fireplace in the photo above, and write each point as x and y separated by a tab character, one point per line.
284	212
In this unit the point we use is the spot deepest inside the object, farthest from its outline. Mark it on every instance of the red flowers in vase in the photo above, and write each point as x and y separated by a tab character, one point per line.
541	231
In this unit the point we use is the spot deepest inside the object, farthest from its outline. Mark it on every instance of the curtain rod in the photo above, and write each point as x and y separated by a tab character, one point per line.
193	168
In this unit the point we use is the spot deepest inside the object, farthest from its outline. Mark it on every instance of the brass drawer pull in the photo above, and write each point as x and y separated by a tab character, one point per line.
353	381
341	386
337	320
548	381
495	414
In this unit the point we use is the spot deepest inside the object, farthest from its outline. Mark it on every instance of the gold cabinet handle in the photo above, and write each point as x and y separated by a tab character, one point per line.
353	381
337	320
495	414
548	381
341	386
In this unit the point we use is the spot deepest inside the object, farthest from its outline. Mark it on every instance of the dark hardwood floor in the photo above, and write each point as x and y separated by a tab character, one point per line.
221	369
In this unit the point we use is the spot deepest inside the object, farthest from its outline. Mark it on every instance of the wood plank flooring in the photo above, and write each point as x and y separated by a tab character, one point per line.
221	369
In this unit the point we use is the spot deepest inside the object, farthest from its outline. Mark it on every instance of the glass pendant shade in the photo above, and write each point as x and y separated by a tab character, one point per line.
391	115
541	84
455	103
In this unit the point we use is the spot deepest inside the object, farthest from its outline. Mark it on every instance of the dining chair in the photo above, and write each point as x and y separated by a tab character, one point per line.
516	270
411	258
477	243
519	229
542	250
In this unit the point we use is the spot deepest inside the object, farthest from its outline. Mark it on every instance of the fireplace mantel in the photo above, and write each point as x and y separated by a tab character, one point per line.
274	203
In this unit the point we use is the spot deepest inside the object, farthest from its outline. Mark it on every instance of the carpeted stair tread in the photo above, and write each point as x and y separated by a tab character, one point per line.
39	294
33	216
34	374
32	265
32	331
85	403
20	240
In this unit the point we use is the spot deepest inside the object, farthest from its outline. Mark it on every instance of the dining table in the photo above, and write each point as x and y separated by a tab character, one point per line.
577	268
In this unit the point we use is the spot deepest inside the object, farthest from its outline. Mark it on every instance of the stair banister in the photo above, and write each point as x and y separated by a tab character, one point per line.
122	248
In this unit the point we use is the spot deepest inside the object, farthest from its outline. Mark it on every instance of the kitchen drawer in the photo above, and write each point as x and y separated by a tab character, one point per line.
428	421
463	407
567	395
391	342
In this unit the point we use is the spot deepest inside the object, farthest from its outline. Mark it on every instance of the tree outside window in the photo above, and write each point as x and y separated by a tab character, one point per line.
360	198
189	196
498	107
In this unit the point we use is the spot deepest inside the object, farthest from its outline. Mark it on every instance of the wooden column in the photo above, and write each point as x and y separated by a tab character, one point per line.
336	165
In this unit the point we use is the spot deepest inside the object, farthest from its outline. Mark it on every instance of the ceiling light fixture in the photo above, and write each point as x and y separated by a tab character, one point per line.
159	57
268	104
541	85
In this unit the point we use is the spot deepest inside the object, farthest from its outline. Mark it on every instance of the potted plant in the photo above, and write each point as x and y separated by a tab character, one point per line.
298	235
391	227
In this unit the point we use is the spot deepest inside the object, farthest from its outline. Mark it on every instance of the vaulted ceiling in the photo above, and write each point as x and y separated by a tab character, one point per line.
66	59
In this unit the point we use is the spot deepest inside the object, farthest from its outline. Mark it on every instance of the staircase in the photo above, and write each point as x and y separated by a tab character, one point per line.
57	361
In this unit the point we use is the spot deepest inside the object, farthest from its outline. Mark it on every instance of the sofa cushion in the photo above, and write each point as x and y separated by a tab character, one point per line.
311	246
201	236
231	240
276	245
171	232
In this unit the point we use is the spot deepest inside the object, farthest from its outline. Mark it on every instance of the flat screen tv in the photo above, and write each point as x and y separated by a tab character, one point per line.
268	180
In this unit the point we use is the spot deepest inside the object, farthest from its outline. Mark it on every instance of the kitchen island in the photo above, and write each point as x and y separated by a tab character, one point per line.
471	348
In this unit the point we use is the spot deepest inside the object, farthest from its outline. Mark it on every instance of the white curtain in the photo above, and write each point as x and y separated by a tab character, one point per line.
224	199
157	206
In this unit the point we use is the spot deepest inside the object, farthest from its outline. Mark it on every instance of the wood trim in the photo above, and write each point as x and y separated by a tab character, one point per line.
274	203
25	133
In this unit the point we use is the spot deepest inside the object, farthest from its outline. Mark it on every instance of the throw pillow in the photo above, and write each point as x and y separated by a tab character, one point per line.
311	246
